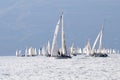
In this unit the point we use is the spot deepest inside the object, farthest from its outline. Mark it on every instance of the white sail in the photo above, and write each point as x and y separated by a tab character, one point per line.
114	51
17	53
35	51
48	47
39	52
99	37
26	52
88	48
110	51
100	43
30	51
64	50
54	50
93	48
79	51
72	49
44	52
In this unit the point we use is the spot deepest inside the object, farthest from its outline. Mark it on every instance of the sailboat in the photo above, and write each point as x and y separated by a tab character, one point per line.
55	52
26	52
72	50
44	51
87	48
99	51
40	52
19	54
48	49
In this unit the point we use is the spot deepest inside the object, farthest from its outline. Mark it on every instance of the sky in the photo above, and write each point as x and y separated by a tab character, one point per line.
26	23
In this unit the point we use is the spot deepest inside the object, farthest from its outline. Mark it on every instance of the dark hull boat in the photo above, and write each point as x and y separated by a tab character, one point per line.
99	52
74	54
62	53
63	57
99	55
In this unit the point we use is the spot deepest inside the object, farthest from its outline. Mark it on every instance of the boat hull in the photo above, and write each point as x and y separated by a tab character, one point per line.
99	55
63	57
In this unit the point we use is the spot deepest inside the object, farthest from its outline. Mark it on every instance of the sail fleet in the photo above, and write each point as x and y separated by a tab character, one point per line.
64	52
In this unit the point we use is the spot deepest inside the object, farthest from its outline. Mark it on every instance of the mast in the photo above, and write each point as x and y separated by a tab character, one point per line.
64	51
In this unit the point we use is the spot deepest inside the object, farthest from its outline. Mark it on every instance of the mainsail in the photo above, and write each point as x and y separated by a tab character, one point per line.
64	50
99	37
100	43
54	49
